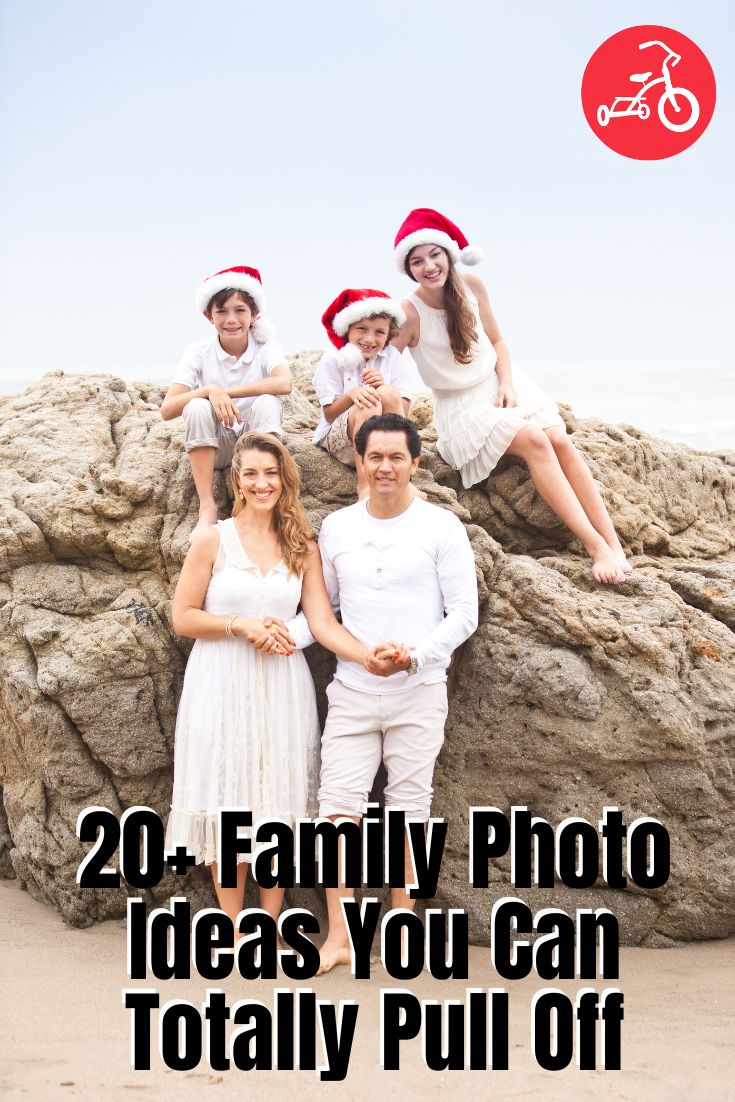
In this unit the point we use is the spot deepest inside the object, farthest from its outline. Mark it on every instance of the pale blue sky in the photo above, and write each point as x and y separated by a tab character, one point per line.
148	144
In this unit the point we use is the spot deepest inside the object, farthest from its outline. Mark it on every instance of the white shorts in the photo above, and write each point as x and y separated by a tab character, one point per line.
404	730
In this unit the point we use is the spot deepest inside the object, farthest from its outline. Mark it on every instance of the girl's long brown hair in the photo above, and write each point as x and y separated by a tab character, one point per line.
289	519
461	324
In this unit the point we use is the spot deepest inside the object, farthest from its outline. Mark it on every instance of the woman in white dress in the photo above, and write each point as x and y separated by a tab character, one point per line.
483	408
247	733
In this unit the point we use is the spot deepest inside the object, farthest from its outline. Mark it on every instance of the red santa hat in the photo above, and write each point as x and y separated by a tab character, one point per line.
425	226
349	307
239	278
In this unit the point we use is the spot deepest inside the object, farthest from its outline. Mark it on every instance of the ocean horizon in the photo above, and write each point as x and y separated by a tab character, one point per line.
678	402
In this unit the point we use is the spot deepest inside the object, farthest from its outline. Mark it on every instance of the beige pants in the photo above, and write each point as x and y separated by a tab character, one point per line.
405	730
203	430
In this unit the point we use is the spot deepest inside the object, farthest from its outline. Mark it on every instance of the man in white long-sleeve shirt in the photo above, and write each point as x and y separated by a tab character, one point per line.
402	573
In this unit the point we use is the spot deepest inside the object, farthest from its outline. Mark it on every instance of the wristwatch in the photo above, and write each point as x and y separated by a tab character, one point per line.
413	665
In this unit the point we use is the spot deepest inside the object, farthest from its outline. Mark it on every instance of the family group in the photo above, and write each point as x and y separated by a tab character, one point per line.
256	589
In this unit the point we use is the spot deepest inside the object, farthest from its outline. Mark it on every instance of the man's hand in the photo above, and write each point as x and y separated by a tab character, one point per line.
387	659
363	397
372	377
224	408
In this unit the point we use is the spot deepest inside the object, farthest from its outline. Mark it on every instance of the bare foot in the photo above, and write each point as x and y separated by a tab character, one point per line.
331	954
617	549
606	566
415	492
207	517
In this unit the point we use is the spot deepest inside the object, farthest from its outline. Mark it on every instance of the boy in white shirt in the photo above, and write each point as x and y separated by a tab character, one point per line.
365	377
228	382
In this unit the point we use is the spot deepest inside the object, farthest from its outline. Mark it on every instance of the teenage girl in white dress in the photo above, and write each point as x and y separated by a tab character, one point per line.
483	408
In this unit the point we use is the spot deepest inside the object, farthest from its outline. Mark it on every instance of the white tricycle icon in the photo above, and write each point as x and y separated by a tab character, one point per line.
637	104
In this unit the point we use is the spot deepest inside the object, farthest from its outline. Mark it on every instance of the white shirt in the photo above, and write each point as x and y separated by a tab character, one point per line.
410	579
332	381
207	362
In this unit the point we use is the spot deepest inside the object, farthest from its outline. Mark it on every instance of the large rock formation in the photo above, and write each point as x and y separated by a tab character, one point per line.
569	698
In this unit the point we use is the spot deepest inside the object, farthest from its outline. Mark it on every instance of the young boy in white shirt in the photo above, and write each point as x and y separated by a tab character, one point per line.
365	377
231	381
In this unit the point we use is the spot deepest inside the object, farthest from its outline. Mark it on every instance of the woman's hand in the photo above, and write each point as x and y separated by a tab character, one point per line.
225	410
506	396
268	635
363	397
387	659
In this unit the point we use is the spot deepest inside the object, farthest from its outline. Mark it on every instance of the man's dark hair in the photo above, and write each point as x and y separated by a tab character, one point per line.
389	422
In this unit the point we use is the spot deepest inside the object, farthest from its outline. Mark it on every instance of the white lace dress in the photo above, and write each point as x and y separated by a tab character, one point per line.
247	733
473	433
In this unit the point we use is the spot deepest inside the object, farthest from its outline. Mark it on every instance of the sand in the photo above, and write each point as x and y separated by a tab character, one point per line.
65	1032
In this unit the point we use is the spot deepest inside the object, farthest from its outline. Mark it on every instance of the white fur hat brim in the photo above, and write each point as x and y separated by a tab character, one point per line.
224	281
366	308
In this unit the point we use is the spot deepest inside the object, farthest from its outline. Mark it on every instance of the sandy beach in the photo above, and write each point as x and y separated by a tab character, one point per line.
66	1034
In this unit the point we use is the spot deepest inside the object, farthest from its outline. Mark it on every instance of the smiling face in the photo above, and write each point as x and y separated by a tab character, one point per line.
429	266
388	463
370	335
259	480
231	319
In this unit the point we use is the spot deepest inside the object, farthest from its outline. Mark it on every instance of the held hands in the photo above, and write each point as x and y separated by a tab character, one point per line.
506	396
224	408
387	659
269	635
363	397
372	377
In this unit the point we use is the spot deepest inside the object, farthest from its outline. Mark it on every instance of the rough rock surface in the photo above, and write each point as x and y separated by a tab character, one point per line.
569	698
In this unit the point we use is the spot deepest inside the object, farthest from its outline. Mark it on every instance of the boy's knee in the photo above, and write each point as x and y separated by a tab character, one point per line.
360	414
200	424
198	408
266	414
389	397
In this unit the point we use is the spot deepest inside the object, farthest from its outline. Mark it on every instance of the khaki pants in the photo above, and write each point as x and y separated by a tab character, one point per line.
405	730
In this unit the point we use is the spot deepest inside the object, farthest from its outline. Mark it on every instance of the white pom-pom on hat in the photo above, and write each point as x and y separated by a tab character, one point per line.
263	329
471	255
350	357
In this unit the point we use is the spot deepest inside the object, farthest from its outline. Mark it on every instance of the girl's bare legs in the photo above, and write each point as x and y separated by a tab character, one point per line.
232	900
580	479
535	447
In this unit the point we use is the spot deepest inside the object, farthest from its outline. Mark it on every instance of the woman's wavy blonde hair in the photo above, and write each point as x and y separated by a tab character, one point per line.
289	519
461	324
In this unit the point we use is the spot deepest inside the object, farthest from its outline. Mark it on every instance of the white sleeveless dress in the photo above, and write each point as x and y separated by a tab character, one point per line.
247	733
473	433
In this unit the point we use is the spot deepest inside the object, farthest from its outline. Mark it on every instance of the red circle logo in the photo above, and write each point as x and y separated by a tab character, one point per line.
648	92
